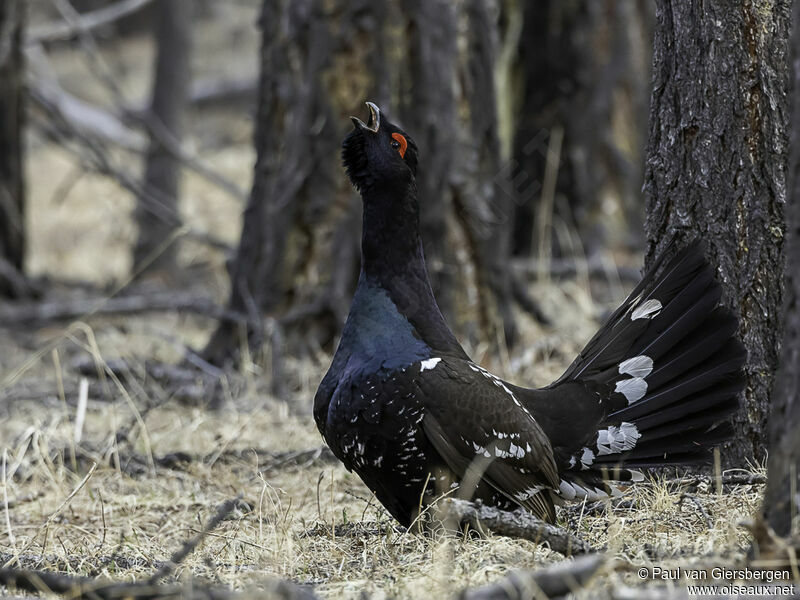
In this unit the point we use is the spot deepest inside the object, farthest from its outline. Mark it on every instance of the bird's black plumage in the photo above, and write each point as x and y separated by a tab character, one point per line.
404	406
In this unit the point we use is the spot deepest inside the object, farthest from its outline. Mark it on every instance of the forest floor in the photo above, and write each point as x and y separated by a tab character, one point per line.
117	495
113	487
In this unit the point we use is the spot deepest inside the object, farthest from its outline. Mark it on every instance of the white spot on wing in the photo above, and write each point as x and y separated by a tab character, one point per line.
646	310
638	366
633	389
429	364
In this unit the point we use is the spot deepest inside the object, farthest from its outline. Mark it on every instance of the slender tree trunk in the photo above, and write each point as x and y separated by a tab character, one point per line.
431	107
298	254
12	118
157	213
716	162
484	207
583	73
781	502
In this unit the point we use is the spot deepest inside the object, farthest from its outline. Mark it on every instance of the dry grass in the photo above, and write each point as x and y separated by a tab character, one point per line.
311	522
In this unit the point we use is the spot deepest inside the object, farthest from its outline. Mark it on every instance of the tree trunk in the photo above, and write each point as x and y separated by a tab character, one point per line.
716	161
483	206
582	72
12	118
298	254
157	212
431	107
781	502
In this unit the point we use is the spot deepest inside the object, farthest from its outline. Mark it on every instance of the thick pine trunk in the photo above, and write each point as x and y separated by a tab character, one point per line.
715	169
781	502
157	212
12	193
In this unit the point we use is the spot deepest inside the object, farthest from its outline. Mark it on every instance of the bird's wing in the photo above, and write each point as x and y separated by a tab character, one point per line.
482	431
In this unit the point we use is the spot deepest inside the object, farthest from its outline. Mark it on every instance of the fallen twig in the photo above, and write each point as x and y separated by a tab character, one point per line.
63	310
726	479
75	562
267	461
190	545
517	524
527	303
550	582
98	589
700	508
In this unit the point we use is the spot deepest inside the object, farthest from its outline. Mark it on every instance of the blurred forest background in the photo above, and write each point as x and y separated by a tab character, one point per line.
177	233
142	122
184	156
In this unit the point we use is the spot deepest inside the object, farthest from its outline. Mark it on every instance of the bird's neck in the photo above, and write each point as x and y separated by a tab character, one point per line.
392	258
390	240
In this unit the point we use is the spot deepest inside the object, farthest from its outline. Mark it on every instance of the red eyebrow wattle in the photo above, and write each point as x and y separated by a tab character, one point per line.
403	143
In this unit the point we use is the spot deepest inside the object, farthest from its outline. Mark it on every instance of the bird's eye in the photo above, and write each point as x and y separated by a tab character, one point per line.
399	143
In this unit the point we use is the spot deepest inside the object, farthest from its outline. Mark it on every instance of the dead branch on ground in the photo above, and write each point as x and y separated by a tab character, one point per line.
90	588
552	581
12	315
517	524
97	589
728	479
190	545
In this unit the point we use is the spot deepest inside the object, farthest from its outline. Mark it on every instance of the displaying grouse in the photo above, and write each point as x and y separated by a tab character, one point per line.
403	405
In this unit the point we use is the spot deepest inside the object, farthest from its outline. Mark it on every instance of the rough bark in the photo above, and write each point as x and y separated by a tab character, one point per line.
12	193
716	162
582	70
781	505
157	211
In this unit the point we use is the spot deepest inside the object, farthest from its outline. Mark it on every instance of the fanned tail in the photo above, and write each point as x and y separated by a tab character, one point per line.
671	368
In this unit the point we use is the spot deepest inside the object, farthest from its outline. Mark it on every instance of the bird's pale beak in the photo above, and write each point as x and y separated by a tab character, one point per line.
374	119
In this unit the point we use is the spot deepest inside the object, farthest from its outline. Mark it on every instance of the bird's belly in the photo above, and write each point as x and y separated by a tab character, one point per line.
375	428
